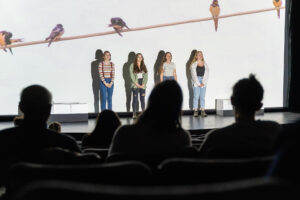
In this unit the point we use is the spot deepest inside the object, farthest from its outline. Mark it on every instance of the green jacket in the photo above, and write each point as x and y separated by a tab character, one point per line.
134	78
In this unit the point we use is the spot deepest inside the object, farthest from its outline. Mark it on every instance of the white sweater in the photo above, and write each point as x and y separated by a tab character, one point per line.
195	80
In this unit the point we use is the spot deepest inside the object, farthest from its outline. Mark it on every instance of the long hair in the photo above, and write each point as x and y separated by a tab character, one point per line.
107	123
164	59
164	106
195	57
142	68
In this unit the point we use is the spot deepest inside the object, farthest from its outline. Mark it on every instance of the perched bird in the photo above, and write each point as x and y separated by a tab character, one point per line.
215	12
118	24
56	33
5	39
277	4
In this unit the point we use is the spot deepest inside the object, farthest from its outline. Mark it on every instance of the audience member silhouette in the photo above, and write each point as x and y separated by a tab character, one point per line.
286	165
55	126
157	130
107	123
25	142
247	137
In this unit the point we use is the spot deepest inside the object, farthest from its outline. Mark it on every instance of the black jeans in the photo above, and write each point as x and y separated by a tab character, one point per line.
135	92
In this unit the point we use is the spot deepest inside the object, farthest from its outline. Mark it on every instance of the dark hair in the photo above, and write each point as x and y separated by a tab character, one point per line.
99	54
55	126
164	105
143	66
247	94
35	100
107	123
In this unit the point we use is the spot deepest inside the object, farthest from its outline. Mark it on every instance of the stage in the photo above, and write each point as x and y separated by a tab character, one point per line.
189	122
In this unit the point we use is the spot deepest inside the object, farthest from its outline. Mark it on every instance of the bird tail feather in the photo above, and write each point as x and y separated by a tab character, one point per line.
216	24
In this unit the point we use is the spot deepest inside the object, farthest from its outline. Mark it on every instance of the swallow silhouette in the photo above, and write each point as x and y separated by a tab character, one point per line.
6	39
118	24
55	34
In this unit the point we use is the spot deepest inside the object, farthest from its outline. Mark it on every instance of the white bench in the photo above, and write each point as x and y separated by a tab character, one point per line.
69	112
224	108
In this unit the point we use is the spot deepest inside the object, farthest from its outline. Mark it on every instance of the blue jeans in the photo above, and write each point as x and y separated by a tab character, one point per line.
199	93
106	94
168	78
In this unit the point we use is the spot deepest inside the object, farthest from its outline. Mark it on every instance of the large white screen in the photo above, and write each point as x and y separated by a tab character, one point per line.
243	44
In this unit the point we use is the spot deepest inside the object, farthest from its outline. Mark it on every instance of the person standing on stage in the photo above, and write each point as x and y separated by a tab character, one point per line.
139	78
199	73
107	75
168	68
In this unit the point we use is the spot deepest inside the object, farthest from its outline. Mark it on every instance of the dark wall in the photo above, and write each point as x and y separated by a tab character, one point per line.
292	42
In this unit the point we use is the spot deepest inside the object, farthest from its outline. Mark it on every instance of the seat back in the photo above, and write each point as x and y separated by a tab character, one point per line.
101	152
154	159
195	171
246	190
127	172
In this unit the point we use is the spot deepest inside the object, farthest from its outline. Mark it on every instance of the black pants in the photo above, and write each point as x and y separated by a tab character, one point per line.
135	92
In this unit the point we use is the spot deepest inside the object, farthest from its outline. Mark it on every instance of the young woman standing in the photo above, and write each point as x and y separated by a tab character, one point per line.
107	75
139	78
199	73
168	68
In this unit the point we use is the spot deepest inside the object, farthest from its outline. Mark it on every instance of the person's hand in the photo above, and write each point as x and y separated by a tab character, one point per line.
142	86
106	84
201	85
110	84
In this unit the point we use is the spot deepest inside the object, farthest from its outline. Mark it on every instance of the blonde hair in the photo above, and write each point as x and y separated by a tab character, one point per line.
195	57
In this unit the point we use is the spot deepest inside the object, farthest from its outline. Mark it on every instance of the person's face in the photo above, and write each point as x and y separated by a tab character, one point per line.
168	57
139	58
199	56
107	56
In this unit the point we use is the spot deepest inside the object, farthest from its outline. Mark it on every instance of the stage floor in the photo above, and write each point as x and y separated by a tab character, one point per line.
188	122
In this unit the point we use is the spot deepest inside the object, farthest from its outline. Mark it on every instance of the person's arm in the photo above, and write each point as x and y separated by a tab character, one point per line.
161	73
206	74
100	69
112	75
145	80
194	74
133	76
174	74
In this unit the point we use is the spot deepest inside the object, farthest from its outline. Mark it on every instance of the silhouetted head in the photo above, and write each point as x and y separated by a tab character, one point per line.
107	122
131	57
99	54
36	103
247	95
59	25
55	126
164	104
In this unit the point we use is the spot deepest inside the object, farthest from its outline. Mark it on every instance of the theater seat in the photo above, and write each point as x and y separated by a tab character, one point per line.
127	172
195	171
246	190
